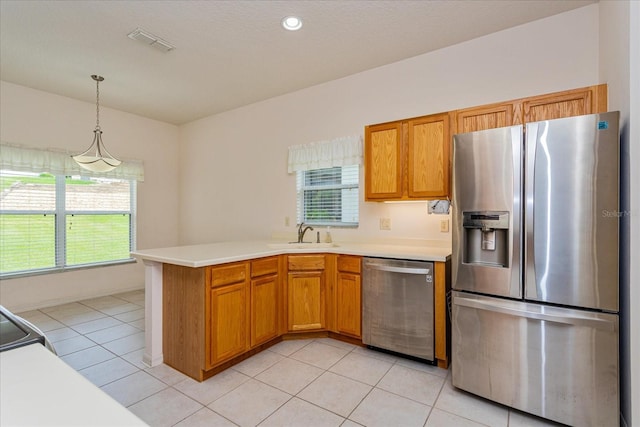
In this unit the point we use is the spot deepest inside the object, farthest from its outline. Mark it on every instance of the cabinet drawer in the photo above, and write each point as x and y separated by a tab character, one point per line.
349	264
262	267
228	274
305	262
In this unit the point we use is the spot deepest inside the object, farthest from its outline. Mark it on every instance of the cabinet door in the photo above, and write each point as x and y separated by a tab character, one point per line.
575	102
306	300
349	306
488	117
428	157
383	161
264	309
228	326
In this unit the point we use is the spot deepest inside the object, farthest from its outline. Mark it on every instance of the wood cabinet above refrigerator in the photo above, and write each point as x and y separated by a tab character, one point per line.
557	105
408	159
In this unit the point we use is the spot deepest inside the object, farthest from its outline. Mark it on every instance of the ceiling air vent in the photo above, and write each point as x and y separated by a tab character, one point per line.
151	40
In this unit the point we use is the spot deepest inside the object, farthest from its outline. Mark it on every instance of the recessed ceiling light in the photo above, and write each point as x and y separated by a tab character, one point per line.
291	23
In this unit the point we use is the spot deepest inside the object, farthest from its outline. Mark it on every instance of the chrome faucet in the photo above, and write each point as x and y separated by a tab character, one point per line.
302	230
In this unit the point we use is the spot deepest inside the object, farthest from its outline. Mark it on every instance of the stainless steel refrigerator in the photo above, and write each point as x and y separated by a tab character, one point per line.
535	267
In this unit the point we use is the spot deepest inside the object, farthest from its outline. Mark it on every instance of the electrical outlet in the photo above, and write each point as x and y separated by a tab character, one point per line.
444	226
385	223
286	221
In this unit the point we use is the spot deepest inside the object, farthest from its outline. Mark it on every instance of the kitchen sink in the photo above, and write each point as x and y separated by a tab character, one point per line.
296	245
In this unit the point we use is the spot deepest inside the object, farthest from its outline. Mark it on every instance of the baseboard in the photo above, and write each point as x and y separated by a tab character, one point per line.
70	299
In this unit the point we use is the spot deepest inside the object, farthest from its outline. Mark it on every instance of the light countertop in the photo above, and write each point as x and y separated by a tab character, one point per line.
224	252
39	389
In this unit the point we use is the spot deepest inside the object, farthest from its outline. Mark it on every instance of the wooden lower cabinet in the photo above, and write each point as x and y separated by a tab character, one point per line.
215	316
306	292
228	322
348	289
265	297
227	312
183	309
306	300
442	323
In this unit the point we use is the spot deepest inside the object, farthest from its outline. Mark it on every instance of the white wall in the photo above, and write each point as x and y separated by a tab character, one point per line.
619	61
39	119
234	180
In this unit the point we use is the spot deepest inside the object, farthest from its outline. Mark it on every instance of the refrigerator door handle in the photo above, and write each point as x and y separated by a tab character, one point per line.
529	193
575	320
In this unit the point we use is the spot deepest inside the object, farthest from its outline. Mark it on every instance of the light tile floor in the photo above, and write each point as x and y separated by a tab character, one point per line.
311	382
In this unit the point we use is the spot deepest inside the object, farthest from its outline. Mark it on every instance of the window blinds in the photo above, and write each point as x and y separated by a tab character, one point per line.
327	181
328	196
97	220
54	222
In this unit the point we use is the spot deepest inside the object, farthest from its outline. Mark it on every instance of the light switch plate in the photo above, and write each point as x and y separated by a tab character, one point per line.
444	226
385	223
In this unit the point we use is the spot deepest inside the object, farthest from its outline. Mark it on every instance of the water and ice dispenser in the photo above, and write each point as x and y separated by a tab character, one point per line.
486	238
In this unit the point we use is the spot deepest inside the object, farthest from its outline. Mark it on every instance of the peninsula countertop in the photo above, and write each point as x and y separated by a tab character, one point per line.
203	255
224	252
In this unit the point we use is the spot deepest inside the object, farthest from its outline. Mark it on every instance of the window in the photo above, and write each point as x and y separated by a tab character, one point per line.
54	222
328	196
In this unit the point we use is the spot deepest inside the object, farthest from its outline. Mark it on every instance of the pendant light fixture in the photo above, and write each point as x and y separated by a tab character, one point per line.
97	158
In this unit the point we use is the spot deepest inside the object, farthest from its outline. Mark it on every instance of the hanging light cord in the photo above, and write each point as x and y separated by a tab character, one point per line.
98	79
97	161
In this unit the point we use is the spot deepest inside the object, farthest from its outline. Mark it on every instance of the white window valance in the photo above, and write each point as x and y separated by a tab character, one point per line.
59	162
343	151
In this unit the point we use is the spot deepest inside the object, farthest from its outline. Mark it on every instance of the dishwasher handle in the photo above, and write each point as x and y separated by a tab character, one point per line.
394	269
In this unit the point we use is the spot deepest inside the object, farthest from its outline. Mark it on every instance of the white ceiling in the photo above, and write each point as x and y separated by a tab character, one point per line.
229	53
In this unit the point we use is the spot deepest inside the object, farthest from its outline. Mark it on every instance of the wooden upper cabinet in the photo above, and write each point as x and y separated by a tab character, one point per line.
488	117
575	102
408	159
428	157
383	161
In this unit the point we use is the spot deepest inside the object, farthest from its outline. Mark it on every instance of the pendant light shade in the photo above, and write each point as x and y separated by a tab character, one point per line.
96	158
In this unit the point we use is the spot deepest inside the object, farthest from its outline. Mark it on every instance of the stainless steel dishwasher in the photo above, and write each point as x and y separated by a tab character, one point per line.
397	306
